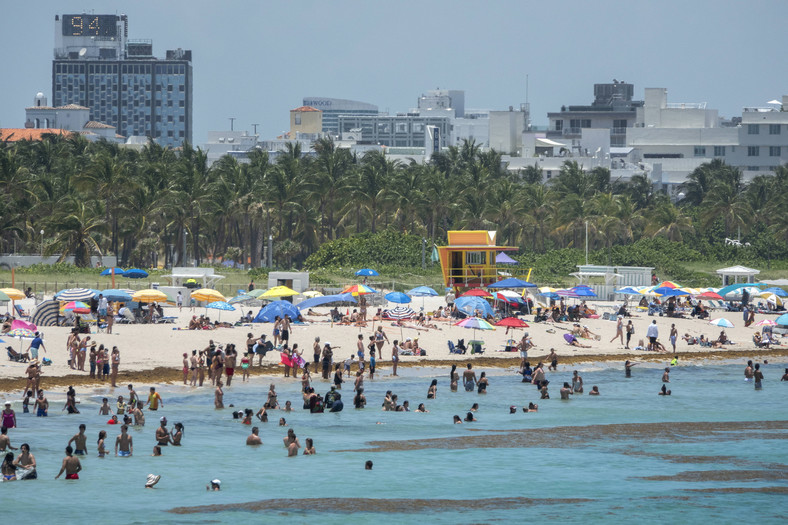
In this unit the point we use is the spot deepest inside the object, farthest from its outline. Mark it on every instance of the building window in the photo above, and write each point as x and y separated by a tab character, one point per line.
620	123
402	127
753	129
719	151
700	151
298	119
774	151
753	168
475	257
753	151
559	125
774	129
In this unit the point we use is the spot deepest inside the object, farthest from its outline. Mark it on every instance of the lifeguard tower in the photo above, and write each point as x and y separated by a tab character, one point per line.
468	260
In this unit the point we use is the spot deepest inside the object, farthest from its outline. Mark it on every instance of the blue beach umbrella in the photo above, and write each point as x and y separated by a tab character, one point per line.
779	292
327	299
108	271
422	291
367	272
782	320
512	282
628	290
135	273
733	287
118	294
724	323
221	305
470	304
397	297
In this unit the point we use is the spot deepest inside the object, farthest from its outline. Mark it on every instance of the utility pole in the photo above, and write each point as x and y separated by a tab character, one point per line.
255	128
586	243
232	121
423	253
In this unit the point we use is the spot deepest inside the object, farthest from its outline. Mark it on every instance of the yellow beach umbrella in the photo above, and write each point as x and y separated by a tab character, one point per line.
207	294
149	296
278	291
13	293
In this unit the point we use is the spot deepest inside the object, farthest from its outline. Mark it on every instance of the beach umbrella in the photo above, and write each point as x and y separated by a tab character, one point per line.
122	295
19	323
709	295
268	313
771	298
13	293
149	296
46	313
401	312
326	299
78	307
135	273
359	289
668	284
766	322
722	322
779	292
397	297
476	292
278	291
470	305
422	291
4	297
222	306
109	271
512	282
256	293
311	293
674	292
502	258
76	294
628	290
475	323
512	322
207	294
782	320
734	287
367	272
20	333
241	298
547	289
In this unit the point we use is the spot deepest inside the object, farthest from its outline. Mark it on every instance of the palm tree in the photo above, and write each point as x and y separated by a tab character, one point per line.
78	226
377	173
668	221
331	173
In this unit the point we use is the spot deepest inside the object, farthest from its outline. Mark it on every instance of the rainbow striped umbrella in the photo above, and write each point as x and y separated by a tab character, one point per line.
359	289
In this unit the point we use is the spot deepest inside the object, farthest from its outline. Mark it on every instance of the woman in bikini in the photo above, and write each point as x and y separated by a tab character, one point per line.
8	468
177	434
380	335
100	444
272	402
433	390
454	378
481	384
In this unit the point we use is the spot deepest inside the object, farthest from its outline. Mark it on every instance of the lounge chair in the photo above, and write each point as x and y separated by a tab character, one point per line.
455	350
15	356
21	313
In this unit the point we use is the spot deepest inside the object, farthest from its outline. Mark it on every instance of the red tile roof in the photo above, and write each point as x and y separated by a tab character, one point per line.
93	124
17	134
71	106
306	108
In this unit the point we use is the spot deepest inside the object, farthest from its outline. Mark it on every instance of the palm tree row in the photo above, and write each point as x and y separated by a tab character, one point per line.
147	205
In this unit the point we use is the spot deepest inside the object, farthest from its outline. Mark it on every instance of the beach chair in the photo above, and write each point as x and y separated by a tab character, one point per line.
15	356
453	349
126	318
21	313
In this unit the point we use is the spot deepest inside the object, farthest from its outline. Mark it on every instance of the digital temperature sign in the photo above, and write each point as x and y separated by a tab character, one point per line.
90	25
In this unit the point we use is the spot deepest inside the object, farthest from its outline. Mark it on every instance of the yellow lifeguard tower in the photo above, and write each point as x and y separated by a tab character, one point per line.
468	260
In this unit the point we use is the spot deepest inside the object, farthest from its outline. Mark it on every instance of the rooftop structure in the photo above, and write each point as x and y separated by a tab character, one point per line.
333	107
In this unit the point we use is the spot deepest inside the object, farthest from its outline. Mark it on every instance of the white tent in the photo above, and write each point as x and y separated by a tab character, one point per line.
737	274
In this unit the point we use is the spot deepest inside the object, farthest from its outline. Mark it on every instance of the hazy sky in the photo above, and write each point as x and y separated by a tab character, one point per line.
256	59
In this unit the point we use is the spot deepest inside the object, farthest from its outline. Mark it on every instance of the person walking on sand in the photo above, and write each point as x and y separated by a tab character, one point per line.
630	332
674	335
619	329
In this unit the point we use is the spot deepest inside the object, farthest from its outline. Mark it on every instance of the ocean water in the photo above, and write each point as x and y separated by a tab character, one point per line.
715	449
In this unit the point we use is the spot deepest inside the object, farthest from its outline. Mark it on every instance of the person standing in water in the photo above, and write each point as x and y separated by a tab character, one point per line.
628	368
577	383
758	376
71	465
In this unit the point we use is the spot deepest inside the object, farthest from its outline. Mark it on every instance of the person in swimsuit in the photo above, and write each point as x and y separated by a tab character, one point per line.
80	441
186	367
577	383
100	444
245	364
41	405
285	329
553	357
309	450
291	443
162	435
481	385
26	462
254	438
71	465
380	336
628	368
394	357
594	391
229	366
8	416
372	361
177	433
218	397
630	331
272	403
469	378
454	378
433	390
8	468
277	329
758	376
154	399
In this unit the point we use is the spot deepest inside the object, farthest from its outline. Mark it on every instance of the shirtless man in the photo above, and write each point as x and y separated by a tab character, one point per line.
566	391
291	442
666	375
71	465
5	441
218	395
758	376
26	461
80	441
253	438
162	435
538	377
124	446
139	417
41	405
469	378
553	358
229	365
132	396
749	373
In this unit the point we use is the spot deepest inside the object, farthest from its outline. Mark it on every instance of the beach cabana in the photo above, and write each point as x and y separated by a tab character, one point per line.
737	274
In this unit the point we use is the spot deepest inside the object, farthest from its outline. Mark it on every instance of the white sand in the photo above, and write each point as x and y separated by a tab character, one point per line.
144	347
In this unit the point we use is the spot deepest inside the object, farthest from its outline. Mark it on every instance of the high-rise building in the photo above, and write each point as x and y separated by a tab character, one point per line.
333	107
97	66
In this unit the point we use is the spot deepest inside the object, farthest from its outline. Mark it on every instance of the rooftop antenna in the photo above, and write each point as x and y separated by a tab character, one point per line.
255	128
232	121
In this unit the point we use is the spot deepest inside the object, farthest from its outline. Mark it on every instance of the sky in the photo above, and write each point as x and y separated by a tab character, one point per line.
257	59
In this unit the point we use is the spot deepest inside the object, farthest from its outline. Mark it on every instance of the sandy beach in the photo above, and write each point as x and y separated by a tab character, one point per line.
153	353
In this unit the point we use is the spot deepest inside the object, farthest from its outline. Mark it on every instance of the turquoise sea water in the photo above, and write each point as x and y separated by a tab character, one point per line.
714	450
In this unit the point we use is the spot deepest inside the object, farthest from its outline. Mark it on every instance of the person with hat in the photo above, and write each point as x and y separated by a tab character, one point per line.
35	345
214	485
151	481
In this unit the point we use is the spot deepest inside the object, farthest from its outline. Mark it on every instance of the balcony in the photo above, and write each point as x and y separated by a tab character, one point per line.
618	131
572	132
